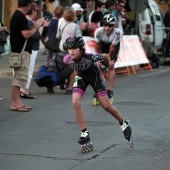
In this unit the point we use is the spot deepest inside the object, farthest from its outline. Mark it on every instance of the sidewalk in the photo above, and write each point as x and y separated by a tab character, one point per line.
6	71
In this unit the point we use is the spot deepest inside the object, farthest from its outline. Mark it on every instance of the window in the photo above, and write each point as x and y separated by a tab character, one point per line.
156	12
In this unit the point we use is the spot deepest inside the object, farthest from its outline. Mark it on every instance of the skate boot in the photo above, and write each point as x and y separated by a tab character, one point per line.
110	95
126	128
95	100
84	141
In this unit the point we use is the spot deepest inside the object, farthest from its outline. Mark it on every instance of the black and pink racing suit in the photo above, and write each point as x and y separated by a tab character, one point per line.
87	73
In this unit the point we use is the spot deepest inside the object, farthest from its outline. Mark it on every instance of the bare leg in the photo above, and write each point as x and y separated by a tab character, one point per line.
111	78
16	102
71	80
76	102
104	101
124	124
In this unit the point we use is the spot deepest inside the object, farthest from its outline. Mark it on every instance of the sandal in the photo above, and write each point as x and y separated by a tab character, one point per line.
27	96
27	107
20	109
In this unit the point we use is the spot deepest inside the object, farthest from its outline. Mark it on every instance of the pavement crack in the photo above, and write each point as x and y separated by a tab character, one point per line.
161	153
107	149
158	119
93	157
38	156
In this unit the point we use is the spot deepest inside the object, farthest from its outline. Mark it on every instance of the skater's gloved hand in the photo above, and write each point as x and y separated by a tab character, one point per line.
103	67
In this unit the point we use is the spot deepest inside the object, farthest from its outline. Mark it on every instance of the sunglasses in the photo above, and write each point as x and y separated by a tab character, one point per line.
108	25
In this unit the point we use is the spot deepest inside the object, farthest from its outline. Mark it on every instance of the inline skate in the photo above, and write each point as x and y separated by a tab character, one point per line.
110	96
127	131
84	141
95	100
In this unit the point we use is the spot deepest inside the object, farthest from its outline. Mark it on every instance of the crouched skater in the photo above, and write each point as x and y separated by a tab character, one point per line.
88	73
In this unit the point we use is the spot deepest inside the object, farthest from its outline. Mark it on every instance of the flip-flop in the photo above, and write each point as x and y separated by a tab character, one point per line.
20	109
27	107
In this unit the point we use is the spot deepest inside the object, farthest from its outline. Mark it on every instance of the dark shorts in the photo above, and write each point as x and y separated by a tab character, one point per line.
81	83
105	47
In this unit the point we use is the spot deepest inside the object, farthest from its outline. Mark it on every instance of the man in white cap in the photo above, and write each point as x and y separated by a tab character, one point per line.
79	19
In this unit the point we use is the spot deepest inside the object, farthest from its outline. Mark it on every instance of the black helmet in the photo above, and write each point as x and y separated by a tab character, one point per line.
109	19
75	42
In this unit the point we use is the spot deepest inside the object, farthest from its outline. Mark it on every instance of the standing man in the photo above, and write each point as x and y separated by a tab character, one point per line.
108	41
19	32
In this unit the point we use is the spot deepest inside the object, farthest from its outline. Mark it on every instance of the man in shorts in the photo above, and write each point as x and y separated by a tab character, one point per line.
19	32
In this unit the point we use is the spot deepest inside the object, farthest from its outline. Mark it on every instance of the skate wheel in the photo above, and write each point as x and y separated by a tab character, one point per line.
111	100
94	102
83	149
91	148
131	143
98	103
88	147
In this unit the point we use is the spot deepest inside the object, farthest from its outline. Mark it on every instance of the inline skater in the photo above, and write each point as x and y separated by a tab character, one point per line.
108	41
88	74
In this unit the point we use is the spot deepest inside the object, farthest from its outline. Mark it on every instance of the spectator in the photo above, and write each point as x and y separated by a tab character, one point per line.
120	14
62	19
58	13
96	18
39	7
88	3
79	17
19	32
68	27
109	7
2	44
100	6
85	17
65	74
39	10
31	15
167	30
47	16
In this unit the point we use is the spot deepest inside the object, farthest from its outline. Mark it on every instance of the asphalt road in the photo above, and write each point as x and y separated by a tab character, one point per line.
46	137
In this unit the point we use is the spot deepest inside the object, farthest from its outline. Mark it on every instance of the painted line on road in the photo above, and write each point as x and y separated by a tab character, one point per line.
154	73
